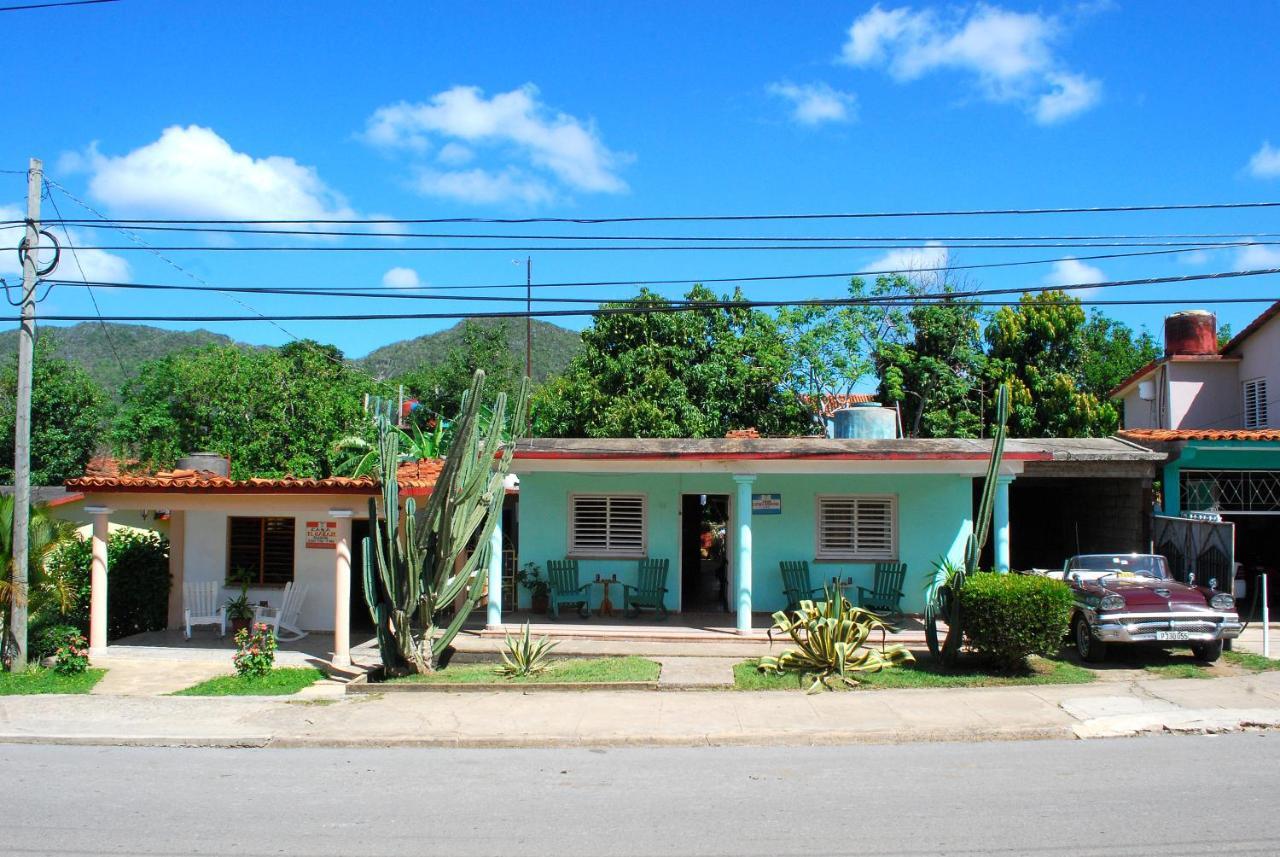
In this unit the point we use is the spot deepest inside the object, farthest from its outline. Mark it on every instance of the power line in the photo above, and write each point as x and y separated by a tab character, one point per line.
697	218
599	248
28	6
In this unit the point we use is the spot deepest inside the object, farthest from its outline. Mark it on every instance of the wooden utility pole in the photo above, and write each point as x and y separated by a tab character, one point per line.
22	421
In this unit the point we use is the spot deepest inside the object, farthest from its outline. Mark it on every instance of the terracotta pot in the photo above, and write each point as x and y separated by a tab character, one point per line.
539	604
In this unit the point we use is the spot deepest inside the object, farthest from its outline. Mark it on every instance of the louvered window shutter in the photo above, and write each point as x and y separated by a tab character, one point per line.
855	527
607	525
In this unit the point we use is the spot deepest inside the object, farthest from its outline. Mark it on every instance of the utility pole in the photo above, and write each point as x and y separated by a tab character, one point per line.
528	317
22	421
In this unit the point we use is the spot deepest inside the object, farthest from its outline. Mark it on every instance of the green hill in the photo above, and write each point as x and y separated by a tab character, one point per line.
553	348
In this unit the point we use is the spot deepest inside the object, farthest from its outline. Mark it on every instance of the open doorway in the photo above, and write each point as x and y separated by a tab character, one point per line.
360	619
704	552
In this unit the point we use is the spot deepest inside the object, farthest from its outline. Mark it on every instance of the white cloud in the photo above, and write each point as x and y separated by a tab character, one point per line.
912	259
530	145
401	278
98	265
816	103
1070	272
193	172
1009	53
1257	256
1265	163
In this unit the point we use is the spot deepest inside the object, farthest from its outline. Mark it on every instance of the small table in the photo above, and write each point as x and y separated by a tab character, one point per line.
841	585
606	606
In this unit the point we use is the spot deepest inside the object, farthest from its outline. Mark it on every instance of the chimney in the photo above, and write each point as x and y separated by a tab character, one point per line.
1192	332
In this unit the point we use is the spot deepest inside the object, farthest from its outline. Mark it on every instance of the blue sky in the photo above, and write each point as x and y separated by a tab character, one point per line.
237	109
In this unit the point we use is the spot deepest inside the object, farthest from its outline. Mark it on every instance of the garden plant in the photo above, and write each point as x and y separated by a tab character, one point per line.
1009	617
523	656
255	651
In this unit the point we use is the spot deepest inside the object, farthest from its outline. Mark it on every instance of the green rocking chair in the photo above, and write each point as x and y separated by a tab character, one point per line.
563	586
796	586
649	591
885	594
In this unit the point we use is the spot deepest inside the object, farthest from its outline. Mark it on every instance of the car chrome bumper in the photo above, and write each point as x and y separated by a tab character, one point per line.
1144	628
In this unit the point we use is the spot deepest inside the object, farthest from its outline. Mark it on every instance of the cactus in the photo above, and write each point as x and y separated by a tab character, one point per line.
417	566
949	580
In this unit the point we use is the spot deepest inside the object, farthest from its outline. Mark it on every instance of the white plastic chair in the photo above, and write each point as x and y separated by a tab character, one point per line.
286	615
202	605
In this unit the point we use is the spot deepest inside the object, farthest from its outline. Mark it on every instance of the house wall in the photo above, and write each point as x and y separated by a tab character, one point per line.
1204	394
934	518
1260	358
1139	414
1215	455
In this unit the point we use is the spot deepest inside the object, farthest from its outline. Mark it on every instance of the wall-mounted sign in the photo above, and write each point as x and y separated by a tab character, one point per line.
322	534
766	504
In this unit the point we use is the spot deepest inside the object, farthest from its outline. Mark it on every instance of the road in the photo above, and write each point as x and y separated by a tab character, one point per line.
1122	798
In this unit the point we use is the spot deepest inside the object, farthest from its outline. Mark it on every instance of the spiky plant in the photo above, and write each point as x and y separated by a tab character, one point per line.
829	638
524	656
949	578
417	566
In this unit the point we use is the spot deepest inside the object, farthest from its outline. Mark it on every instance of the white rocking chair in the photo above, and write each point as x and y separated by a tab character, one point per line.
202	605
286	615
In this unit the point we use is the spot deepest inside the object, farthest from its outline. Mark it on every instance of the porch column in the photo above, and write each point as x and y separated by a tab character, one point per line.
742	512
98	581
342	589
494	617
1000	523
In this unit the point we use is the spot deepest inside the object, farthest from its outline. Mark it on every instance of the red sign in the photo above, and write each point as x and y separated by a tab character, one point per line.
322	534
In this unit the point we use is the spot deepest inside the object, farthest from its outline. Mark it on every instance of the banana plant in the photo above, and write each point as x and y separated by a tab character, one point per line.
416	566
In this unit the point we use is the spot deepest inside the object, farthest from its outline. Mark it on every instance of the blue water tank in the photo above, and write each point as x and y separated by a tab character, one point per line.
866	421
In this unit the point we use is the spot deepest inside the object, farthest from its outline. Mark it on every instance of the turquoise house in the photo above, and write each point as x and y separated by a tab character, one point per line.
725	512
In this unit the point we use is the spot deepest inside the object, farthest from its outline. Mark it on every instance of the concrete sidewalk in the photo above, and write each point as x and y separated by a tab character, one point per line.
622	718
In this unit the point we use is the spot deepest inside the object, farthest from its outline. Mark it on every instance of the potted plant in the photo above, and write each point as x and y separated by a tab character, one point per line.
530	577
239	611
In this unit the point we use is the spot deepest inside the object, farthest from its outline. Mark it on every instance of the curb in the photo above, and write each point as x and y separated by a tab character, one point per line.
359	688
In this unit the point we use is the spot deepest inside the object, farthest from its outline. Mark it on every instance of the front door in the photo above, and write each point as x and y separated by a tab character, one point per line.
360	618
704	553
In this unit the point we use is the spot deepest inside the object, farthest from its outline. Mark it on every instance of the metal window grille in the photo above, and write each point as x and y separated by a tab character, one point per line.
607	525
854	527
1255	403
1242	492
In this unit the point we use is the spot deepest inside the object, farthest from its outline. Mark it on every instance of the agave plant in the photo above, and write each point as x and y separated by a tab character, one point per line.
525	656
830	637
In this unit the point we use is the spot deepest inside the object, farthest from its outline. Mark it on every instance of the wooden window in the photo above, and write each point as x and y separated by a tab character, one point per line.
857	527
263	547
1255	403
607	525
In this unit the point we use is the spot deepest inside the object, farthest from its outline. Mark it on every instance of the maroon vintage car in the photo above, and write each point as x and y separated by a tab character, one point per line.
1130	598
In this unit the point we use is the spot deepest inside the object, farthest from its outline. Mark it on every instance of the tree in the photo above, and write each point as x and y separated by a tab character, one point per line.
936	376
1041	349
273	412
1113	352
695	373
67	416
440	387
45	535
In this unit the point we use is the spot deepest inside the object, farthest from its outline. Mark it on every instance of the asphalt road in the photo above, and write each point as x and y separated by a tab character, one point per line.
1165	796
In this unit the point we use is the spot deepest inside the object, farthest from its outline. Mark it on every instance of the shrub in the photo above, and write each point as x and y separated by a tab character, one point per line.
523	656
72	655
47	639
1010	616
138	584
255	651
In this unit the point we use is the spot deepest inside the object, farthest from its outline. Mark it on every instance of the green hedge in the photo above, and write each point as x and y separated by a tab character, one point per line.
138	585
1008	617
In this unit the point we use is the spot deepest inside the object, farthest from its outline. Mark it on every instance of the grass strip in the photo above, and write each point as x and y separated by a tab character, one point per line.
924	674
564	670
42	680
279	682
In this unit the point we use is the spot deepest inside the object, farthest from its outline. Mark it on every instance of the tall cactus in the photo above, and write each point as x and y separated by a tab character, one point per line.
416	567
945	598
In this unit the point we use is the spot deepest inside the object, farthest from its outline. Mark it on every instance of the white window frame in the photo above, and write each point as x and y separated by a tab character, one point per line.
856	555
1257	416
609	551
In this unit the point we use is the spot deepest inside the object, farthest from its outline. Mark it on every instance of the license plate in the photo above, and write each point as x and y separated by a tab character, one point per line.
1173	635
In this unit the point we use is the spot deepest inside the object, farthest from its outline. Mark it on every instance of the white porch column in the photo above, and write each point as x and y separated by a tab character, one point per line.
494	617
98	580
742	512
1000	522
342	589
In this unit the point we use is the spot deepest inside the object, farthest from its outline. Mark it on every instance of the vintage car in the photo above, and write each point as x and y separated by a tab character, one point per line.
1131	598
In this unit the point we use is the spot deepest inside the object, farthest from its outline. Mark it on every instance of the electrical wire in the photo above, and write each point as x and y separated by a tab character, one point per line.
29	6
599	248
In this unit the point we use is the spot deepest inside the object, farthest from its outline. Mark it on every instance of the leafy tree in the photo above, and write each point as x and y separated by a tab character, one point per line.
697	373
1113	352
936	376
440	387
67	416
1041	349
274	412
46	534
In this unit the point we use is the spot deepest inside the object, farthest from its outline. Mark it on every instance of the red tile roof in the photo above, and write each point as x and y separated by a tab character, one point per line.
1252	328
1166	435
832	402
415	478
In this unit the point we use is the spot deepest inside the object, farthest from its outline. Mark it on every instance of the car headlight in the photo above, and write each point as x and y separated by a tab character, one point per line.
1111	602
1222	601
